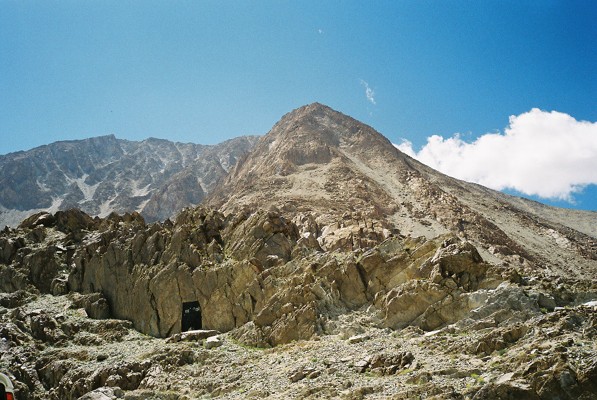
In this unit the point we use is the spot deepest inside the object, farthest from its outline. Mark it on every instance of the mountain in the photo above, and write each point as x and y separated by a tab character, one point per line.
102	175
326	264
318	160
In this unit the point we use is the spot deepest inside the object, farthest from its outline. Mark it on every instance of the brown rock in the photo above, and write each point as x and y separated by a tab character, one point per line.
506	391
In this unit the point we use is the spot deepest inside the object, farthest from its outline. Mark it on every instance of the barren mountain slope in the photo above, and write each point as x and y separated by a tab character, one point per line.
104	174
334	267
317	159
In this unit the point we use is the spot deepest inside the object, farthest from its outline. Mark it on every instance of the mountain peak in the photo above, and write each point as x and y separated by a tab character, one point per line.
315	157
320	161
316	112
321	125
315	109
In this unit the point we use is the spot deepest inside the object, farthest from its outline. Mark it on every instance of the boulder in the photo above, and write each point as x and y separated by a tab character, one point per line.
455	261
95	305
387	363
404	304
104	393
42	218
192	336
358	339
506	391
213	342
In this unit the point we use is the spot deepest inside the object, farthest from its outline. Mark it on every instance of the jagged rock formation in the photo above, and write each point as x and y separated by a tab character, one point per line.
324	231
102	175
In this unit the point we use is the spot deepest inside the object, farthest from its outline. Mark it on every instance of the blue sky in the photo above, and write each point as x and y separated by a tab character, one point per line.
206	71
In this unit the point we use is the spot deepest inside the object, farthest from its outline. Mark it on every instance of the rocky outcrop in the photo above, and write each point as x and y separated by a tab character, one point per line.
51	349
261	273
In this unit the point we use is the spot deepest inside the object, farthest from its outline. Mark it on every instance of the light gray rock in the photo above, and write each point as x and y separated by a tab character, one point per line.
213	342
358	339
296	376
507	377
103	393
192	336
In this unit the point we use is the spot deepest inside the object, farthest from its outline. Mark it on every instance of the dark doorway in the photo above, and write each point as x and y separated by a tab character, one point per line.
191	316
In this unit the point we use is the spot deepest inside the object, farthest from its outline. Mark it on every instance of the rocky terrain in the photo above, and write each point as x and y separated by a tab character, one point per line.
155	177
326	264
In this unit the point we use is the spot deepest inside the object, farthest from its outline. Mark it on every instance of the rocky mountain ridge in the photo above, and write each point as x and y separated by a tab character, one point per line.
321	161
324	242
101	175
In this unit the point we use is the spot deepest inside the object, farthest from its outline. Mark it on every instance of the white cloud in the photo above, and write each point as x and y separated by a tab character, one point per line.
369	93
548	154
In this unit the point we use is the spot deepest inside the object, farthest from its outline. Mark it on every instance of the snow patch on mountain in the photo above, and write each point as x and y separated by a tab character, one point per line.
104	174
141	192
87	190
42	186
142	205
106	208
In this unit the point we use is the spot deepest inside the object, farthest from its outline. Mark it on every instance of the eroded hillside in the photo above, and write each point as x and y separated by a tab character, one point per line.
100	175
326	265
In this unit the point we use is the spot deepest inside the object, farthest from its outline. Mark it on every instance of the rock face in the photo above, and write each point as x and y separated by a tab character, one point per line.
324	230
102	175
